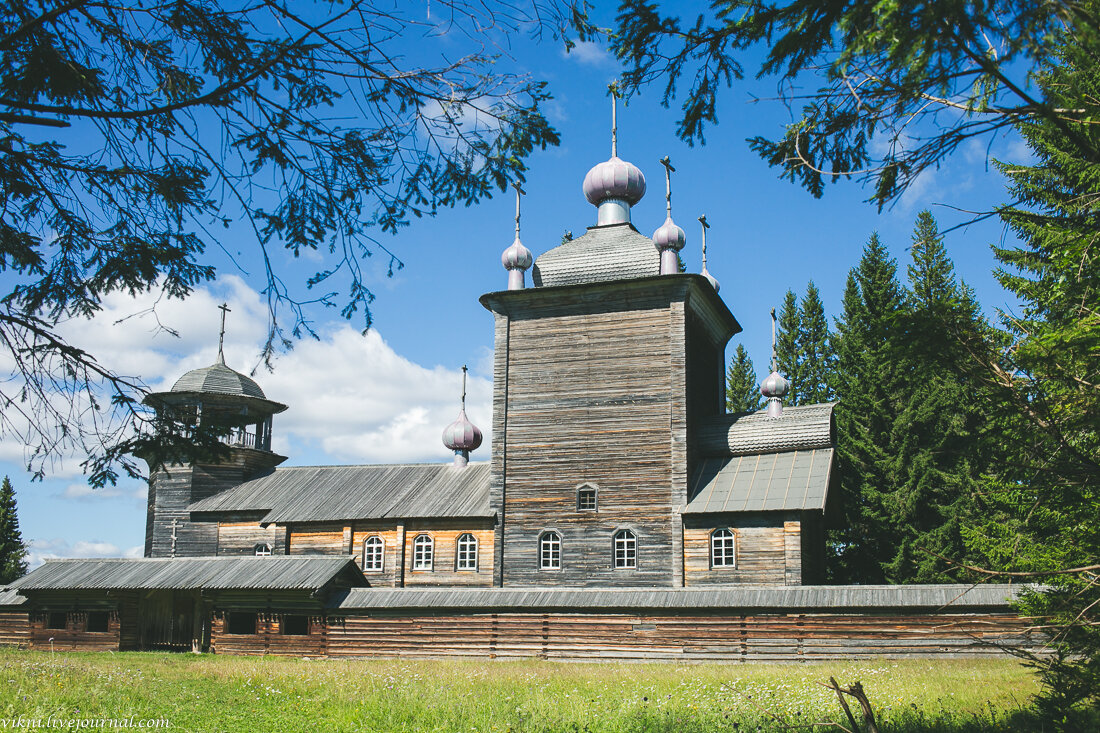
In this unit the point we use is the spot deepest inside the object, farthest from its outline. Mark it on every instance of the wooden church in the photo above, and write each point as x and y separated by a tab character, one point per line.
622	513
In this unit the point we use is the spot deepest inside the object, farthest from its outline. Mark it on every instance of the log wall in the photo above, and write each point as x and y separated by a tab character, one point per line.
75	636
269	638
768	550
717	637
241	538
15	629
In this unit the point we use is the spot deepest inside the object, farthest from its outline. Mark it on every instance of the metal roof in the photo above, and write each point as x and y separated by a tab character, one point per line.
10	597
274	572
219	379
798	428
785	597
385	491
795	480
613	252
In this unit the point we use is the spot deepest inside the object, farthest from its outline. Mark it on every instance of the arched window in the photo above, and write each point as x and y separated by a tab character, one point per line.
373	551
262	549
423	552
550	551
626	549
466	552
586	498
723	551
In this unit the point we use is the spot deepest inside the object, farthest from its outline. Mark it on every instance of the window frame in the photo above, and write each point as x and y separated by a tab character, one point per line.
471	559
554	537
729	541
423	561
629	551
381	545
262	549
586	489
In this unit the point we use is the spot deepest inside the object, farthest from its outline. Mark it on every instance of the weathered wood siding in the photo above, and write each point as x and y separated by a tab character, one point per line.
15	628
318	539
719	637
75	636
591	386
444	571
768	549
241	538
269	638
173	488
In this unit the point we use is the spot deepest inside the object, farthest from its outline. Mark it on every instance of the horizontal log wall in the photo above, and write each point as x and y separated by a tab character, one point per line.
765	553
241	538
609	636
15	629
268	638
75	636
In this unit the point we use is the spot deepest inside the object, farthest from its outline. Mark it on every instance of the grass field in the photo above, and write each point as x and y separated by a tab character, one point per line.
213	693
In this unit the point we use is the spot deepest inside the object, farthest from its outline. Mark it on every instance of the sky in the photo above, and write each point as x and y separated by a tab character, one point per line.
386	395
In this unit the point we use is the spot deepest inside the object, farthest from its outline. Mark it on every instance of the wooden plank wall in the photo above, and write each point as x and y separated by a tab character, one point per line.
269	639
241	538
611	636
73	637
768	550
15	628
590	399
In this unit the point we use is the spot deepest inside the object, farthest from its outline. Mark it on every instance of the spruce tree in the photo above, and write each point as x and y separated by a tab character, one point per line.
865	383
787	346
13	553
742	386
815	352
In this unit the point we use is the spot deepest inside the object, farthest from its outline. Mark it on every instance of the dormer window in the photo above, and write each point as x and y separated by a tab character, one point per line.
262	549
586	498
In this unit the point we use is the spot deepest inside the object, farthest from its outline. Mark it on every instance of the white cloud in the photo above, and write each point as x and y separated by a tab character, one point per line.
42	550
589	53
84	492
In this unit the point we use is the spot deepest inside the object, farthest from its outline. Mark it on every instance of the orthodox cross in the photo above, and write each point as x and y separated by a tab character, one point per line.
172	552
703	221
668	184
224	308
464	377
613	88
519	192
775	360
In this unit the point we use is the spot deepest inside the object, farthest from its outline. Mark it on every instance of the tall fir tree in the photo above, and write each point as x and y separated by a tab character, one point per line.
1043	503
787	346
937	447
742	386
13	553
865	382
815	351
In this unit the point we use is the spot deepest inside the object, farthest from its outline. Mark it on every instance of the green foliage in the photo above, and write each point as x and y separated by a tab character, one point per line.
742	386
787	347
317	129
13	553
815	353
1043	504
902	84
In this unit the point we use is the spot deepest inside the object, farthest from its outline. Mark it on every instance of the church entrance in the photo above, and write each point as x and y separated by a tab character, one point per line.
172	620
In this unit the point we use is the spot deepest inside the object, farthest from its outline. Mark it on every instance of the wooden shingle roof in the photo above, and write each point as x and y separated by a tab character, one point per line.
384	491
784	598
798	428
275	572
613	252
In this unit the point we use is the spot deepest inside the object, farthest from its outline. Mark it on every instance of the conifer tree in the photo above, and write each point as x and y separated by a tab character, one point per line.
815	353
787	346
13	552
865	381
742	386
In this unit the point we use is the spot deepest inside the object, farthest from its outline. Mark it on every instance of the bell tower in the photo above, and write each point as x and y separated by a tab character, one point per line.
230	406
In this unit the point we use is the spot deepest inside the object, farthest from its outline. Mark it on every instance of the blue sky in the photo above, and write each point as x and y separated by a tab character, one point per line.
386	396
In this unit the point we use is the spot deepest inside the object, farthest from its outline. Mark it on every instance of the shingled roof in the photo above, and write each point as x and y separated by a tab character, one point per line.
384	491
276	572
613	252
798	428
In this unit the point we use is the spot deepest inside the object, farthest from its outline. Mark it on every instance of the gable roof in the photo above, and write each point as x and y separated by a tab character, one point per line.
335	493
275	572
789	481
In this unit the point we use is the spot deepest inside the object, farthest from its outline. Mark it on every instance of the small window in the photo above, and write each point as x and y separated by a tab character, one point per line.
723	553
241	623
96	622
295	626
586	499
466	552
626	550
56	620
423	551
373	550
262	549
550	551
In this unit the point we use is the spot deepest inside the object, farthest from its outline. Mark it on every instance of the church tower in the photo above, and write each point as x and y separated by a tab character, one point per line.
603	370
240	414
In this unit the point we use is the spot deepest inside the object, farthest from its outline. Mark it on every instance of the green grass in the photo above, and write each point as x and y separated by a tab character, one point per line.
216	693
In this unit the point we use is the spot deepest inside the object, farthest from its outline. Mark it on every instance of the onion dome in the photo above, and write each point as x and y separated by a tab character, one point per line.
614	179
669	236
462	436
775	385
517	258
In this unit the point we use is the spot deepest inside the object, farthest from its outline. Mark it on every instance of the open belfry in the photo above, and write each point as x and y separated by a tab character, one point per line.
622	513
